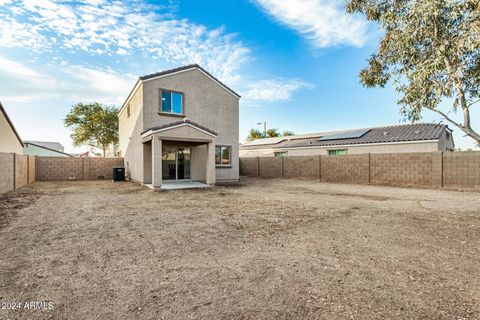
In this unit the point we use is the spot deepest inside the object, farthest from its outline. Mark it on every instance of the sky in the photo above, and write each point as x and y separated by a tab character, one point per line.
295	63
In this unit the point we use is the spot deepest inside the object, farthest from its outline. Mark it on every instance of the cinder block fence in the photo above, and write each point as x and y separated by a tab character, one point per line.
431	169
15	171
19	170
62	169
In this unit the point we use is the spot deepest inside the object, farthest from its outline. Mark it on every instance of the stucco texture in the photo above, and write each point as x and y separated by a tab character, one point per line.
8	140
205	102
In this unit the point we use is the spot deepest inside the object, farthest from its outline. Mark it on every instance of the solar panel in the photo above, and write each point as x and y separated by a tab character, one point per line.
258	142
349	134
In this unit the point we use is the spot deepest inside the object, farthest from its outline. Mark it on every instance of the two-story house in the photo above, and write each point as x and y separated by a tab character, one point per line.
180	125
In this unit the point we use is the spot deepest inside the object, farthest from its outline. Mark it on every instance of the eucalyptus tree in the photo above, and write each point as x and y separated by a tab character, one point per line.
430	50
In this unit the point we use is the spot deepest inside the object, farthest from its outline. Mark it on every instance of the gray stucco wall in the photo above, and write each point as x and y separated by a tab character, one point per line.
206	103
130	144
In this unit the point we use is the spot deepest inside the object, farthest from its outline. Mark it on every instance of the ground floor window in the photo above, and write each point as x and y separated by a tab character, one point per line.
223	155
337	152
281	154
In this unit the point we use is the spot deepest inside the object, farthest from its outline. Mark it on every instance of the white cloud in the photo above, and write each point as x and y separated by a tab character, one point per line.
118	28
324	22
77	83
272	90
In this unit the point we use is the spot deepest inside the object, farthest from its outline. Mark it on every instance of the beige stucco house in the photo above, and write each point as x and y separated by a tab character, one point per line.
180	125
421	137
9	139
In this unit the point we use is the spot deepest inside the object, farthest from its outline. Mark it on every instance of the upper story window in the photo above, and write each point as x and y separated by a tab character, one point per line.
281	154
447	136
171	102
128	110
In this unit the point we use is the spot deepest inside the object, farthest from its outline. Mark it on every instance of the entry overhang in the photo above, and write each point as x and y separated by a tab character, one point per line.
185	130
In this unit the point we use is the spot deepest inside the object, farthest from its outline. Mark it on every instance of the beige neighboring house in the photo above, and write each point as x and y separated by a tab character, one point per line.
421	137
180	125
9	139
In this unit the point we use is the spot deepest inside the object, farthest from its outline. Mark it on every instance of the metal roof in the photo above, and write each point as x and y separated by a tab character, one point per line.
47	148
386	134
47	144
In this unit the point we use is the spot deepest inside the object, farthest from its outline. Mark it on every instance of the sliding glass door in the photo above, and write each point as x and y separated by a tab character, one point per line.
175	163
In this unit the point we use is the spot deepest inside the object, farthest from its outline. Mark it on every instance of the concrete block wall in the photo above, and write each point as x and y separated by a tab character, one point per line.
59	168
15	171
7	172
99	168
301	167
405	169
349	168
461	170
31	169
64	169
21	170
270	167
249	167
458	170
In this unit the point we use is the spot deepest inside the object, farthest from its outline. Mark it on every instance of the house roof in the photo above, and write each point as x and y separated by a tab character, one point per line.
385	134
173	71
48	144
184	68
46	148
178	123
2	109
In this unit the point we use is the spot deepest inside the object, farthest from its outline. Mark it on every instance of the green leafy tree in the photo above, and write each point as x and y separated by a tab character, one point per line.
272	133
431	52
254	134
93	124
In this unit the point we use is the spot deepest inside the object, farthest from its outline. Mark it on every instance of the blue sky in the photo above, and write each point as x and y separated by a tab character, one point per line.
295	62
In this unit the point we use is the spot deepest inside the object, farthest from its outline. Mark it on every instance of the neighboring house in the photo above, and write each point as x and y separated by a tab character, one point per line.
422	137
44	148
9	139
180	124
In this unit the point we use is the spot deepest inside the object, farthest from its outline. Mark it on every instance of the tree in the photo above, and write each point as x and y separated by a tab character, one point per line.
272	133
431	51
254	134
93	124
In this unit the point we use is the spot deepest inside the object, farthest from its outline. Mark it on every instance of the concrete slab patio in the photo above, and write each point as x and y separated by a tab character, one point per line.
179	185
267	249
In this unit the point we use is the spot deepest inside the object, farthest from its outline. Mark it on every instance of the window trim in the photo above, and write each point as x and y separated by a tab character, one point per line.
160	102
230	156
284	154
336	150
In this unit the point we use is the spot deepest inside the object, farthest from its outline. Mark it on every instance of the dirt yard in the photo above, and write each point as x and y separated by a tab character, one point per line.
267	249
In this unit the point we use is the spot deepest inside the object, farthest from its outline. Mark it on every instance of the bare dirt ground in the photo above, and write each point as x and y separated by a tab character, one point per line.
267	249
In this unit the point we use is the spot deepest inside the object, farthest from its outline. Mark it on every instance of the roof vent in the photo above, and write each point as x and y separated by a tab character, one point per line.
417	131
385	133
